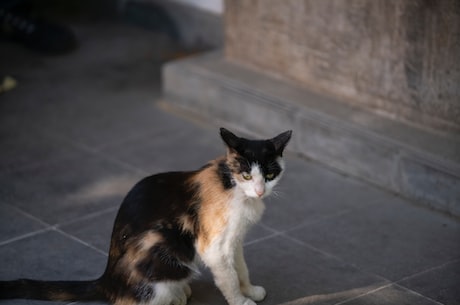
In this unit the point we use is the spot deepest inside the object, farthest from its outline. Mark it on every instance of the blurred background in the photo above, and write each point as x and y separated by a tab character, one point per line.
94	95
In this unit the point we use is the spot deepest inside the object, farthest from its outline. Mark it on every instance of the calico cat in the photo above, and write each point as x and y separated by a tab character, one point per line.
169	220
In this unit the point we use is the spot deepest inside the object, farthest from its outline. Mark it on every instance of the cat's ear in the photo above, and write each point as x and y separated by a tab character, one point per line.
229	138
280	141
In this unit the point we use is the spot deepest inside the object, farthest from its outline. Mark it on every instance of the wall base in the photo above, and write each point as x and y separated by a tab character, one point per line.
418	164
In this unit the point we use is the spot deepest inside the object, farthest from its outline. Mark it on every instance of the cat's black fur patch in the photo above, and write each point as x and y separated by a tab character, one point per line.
162	265
155	204
261	152
225	175
258	152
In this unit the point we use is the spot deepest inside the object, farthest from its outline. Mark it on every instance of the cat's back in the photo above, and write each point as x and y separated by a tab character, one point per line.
188	200
168	184
170	188
160	197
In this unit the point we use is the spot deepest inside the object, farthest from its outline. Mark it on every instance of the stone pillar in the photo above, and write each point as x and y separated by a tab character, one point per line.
400	58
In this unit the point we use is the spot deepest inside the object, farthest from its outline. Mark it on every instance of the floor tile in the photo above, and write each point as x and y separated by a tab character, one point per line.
440	284
68	189
94	230
52	256
14	224
289	271
391	295
176	150
381	238
308	193
257	233
49	256
25	148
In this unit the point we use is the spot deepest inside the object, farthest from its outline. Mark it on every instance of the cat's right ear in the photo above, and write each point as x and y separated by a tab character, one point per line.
281	140
229	138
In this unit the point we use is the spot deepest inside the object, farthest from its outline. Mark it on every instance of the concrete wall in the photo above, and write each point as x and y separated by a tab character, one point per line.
396	57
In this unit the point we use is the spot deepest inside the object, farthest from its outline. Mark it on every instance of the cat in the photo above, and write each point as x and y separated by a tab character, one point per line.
169	222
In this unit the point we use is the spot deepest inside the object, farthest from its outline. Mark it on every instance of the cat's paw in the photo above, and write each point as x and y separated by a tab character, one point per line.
179	299
170	294
248	302
187	291
255	293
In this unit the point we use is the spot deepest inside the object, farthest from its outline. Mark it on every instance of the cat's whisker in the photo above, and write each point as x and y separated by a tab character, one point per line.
278	194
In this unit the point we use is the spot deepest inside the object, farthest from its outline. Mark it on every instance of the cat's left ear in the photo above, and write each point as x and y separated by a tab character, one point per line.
229	138
280	141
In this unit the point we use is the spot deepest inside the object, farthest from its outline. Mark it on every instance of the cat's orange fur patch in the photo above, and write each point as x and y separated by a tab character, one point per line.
59	295
186	223
125	301
149	240
213	212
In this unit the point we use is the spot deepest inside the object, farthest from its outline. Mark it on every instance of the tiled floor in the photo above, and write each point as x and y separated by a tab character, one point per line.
80	129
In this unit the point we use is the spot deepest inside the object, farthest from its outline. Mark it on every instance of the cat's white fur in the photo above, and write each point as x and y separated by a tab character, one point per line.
170	293
257	187
225	255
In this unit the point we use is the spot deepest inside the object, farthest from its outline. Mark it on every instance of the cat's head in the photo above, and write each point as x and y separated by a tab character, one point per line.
256	166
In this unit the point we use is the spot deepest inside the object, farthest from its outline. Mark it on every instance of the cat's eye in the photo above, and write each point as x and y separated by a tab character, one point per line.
270	176
247	176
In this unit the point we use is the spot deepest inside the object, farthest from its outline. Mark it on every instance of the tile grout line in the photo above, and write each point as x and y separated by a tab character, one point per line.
312	299
364	294
417	294
96	152
20	237
427	270
284	234
151	133
48	228
74	238
318	220
261	239
299	242
88	216
399	284
384	287
332	256
59	225
389	282
326	254
28	215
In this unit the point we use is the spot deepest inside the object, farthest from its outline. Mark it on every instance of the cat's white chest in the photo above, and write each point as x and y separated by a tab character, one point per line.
243	212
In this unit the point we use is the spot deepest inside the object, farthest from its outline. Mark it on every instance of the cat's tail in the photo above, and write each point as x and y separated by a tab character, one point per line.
52	290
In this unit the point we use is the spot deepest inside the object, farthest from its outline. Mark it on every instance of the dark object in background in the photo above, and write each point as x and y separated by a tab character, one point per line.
152	17
35	33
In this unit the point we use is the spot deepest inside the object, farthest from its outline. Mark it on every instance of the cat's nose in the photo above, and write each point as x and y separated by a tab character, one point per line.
260	192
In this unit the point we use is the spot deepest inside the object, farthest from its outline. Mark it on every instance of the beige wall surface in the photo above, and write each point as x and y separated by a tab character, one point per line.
397	57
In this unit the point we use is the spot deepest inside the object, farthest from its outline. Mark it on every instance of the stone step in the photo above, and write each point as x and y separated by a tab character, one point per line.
413	162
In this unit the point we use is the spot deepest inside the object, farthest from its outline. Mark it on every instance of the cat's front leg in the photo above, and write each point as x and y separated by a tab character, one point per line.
226	279
256	293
